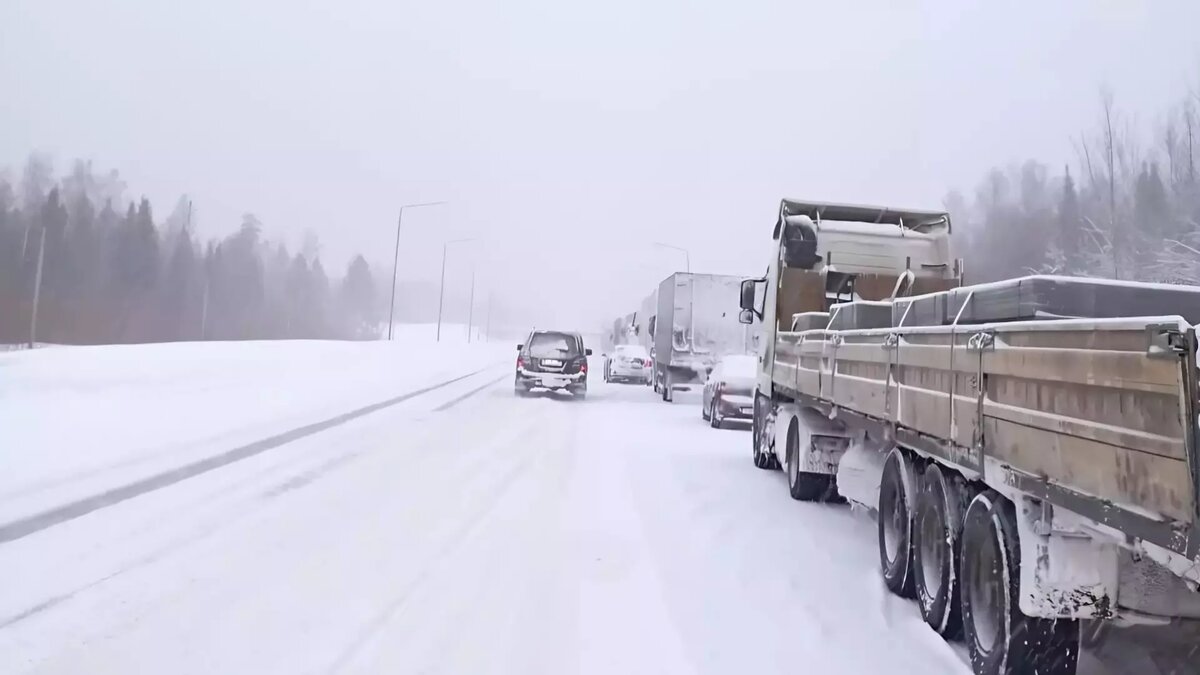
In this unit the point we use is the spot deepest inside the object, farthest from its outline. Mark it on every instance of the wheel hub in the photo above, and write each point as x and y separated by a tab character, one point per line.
987	595
933	550
893	524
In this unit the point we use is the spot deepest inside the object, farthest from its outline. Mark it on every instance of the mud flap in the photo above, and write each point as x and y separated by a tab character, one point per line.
1065	572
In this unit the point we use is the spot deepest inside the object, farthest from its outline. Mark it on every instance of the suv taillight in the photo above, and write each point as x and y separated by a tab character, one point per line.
583	366
520	361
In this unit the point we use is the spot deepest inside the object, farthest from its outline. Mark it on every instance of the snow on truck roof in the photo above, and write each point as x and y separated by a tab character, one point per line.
911	219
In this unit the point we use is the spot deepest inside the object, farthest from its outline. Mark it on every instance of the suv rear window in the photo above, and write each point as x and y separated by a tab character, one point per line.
553	346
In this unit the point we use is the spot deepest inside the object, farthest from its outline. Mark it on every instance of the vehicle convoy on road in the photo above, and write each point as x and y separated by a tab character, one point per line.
1028	446
628	363
694	326
729	391
552	360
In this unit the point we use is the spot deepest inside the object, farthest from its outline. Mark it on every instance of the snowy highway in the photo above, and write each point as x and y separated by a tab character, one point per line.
467	530
458	529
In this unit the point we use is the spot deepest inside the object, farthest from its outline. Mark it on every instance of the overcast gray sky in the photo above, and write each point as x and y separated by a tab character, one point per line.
569	135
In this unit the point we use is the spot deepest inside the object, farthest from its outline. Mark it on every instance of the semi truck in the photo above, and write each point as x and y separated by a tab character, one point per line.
696	323
1028	447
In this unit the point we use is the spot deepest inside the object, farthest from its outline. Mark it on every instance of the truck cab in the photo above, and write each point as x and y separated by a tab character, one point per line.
826	253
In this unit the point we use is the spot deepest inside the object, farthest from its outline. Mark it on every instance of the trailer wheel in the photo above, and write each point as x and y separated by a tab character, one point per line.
1000	638
895	525
804	486
936	535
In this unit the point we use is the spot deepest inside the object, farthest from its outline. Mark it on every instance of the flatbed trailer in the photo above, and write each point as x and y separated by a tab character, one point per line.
1026	474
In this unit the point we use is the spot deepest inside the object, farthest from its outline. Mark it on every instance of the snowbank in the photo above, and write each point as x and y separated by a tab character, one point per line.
76	420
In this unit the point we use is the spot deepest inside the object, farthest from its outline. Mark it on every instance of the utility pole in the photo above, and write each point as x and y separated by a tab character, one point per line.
471	307
204	308
37	289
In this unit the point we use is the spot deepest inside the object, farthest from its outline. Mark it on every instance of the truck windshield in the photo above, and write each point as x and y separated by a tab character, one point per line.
553	346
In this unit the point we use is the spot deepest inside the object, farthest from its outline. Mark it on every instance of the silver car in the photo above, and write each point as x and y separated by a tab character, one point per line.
729	390
628	363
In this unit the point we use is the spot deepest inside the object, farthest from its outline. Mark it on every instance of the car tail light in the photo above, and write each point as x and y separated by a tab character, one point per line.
649	364
583	366
520	361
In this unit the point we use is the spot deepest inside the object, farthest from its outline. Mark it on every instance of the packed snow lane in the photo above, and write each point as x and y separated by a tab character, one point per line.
469	530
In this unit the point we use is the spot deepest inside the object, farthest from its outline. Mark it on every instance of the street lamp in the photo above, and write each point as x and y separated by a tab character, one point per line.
396	261
687	259
442	284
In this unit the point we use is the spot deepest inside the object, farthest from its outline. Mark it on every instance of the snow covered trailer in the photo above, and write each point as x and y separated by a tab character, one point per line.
696	324
1030	466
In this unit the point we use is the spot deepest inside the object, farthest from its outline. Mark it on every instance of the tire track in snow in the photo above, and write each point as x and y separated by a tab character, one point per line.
457	538
192	536
459	399
37	522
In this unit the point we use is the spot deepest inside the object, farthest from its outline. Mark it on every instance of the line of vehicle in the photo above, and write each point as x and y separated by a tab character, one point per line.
37	522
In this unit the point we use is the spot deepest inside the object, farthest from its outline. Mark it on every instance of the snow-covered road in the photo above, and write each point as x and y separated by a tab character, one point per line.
455	534
465	530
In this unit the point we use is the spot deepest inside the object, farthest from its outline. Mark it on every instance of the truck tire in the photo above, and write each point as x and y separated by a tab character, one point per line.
895	523
936	534
1000	638
714	416
804	486
668	393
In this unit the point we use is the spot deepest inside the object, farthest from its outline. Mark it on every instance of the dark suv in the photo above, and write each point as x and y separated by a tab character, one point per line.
550	359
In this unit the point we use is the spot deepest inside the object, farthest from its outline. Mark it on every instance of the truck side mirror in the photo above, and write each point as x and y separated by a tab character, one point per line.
520	347
587	352
746	316
747	300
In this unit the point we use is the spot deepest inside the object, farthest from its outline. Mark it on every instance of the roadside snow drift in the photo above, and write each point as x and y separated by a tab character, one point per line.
78	420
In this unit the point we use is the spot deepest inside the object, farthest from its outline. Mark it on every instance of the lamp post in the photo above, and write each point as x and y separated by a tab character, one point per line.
687	258
442	284
396	261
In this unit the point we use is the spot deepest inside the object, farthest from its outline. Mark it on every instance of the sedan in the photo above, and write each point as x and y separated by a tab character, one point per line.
628	363
729	390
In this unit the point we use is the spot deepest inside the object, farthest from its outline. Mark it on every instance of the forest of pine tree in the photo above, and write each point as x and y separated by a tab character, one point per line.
1126	206
112	272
